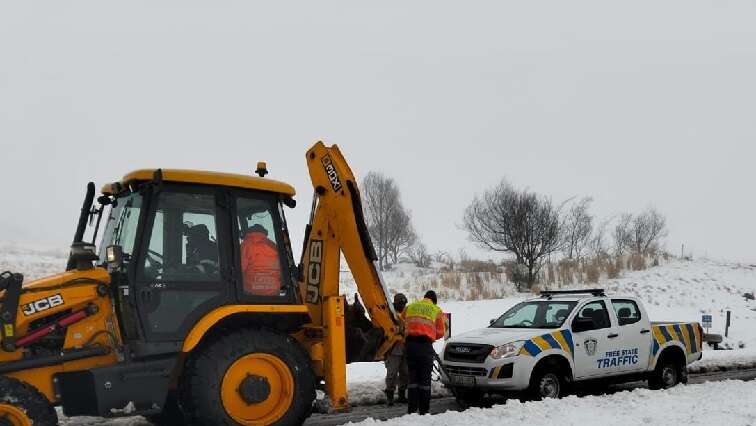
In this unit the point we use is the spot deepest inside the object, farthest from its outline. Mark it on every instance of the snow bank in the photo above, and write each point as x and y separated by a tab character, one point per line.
727	402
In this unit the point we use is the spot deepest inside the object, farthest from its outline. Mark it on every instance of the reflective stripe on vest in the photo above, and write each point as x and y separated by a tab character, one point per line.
421	319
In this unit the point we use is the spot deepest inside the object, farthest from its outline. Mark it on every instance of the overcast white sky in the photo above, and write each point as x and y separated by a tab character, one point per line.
635	103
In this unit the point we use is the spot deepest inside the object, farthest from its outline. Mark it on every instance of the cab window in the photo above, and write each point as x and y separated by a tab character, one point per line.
627	311
597	312
261	254
183	243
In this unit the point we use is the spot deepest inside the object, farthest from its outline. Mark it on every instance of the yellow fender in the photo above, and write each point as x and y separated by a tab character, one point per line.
209	320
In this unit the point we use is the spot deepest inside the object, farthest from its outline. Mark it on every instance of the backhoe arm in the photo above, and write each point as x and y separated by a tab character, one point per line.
337	226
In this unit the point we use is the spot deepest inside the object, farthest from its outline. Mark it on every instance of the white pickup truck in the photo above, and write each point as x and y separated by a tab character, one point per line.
542	346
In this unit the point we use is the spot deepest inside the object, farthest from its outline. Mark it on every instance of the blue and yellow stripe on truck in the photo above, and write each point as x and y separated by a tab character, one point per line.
687	334
560	339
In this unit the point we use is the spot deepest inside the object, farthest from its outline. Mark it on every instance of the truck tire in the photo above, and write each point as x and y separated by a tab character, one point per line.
668	373
467	397
248	377
21	403
547	382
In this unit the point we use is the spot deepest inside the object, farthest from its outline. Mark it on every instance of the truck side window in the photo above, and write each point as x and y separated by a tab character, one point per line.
627	311
597	312
260	253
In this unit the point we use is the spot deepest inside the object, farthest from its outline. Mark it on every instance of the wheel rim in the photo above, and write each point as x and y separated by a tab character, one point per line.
549	386
263	368
13	416
669	376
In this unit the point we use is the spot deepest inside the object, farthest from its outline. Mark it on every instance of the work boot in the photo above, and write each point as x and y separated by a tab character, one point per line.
402	396
389	397
424	403
412	397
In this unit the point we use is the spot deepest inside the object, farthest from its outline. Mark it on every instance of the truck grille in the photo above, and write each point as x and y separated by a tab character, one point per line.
467	352
465	371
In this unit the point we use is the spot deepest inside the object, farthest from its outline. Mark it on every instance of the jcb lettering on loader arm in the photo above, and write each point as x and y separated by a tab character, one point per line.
313	275
192	312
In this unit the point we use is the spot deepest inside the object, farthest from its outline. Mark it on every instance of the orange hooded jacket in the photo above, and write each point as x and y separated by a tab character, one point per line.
260	265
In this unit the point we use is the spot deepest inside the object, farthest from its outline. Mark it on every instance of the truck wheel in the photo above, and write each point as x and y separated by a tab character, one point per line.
468	397
666	375
23	405
546	382
248	377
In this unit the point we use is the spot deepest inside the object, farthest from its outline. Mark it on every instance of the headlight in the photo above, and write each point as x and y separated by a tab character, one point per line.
506	350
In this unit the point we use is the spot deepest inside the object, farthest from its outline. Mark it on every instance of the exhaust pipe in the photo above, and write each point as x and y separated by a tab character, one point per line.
82	225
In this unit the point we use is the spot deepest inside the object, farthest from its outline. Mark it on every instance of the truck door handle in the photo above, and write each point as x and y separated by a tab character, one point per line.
613	335
644	331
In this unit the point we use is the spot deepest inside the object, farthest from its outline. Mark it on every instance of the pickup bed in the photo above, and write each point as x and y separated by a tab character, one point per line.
542	346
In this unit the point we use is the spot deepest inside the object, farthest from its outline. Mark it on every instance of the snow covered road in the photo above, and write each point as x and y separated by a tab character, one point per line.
728	402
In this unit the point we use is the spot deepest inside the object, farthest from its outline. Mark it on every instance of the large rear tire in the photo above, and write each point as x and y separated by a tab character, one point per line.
23	405
248	377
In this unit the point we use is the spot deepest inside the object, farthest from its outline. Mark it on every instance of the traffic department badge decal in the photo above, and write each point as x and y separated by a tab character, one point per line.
590	346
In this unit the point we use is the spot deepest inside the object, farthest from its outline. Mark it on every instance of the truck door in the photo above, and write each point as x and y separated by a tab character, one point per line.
183	270
635	334
594	343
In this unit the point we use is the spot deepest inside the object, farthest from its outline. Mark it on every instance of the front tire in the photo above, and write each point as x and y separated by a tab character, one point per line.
547	382
23	405
467	397
248	377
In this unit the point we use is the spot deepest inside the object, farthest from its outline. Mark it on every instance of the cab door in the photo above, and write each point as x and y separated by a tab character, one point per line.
596	344
263	260
183	269
635	332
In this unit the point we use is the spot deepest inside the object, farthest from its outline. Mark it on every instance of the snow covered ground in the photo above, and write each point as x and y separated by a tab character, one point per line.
703	404
678	290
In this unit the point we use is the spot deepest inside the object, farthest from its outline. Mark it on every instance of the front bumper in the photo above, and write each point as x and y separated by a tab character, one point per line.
491	375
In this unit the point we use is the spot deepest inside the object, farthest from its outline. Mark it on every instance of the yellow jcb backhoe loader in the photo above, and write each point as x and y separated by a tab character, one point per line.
193	311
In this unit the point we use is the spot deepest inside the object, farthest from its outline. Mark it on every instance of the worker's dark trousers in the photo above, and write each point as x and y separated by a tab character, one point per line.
420	356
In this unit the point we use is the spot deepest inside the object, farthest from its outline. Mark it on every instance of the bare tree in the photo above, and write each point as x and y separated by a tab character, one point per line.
400	233
389	223
577	227
420	256
598	241
518	222
444	258
647	231
623	234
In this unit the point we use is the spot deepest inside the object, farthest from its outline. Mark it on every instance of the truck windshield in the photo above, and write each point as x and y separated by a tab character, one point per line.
535	314
121	225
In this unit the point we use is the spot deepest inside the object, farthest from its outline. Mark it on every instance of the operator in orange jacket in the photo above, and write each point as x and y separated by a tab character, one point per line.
424	324
260	263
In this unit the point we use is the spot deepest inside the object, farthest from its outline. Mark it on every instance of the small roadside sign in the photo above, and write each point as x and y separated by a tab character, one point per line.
706	321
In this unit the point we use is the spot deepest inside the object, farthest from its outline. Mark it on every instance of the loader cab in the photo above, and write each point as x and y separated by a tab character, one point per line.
192	242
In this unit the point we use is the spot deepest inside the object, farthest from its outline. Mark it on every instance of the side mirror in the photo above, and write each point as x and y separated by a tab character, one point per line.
114	257
583	324
491	321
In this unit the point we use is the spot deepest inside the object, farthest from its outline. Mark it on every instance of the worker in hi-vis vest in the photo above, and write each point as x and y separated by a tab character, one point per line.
424	324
